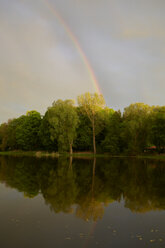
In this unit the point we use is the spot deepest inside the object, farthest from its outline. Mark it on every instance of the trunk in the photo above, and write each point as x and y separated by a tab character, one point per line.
94	142
71	151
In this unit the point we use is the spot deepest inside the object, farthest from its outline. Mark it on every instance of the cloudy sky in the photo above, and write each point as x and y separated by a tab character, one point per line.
123	40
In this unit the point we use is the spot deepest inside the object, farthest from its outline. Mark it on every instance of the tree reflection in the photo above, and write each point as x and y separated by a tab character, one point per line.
89	207
60	191
87	185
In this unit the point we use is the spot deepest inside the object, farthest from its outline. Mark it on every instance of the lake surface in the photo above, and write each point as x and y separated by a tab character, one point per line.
82	203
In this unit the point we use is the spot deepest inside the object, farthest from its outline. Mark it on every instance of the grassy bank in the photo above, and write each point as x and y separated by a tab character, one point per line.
77	155
155	156
30	154
149	156
51	154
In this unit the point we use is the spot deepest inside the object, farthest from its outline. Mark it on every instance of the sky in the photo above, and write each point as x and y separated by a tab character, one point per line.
40	58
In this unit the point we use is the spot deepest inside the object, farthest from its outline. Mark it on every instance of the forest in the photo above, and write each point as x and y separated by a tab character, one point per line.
87	126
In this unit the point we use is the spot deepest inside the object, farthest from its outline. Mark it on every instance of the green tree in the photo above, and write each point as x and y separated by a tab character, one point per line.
11	133
45	135
27	132
92	104
63	120
83	141
158	128
3	136
104	117
136	127
113	142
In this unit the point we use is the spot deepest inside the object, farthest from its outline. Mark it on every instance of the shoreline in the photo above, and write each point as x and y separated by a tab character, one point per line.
39	154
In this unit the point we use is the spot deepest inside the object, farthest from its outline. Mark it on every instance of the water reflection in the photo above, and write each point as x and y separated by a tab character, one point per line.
86	186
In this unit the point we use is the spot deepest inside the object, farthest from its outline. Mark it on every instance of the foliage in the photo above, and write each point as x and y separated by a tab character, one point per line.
27	132
113	141
83	141
92	104
158	128
63	120
136	127
3	136
86	127
45	135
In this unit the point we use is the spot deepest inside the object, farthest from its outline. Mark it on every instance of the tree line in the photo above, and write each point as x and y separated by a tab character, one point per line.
89	126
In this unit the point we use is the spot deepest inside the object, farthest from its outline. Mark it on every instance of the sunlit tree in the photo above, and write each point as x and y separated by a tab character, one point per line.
63	120
92	104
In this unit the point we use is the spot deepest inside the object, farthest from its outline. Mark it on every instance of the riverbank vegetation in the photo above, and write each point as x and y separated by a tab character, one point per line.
90	126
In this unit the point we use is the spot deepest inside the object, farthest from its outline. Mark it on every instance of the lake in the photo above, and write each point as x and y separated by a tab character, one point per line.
83	202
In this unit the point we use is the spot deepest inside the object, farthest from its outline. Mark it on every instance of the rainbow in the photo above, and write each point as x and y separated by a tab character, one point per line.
77	46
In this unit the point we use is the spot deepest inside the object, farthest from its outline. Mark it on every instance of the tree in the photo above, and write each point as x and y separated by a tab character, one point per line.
27	132
158	128
63	120
3	136
136	127
45	135
92	104
104	120
83	141
112	142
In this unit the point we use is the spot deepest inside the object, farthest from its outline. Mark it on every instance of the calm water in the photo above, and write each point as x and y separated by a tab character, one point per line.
82	203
